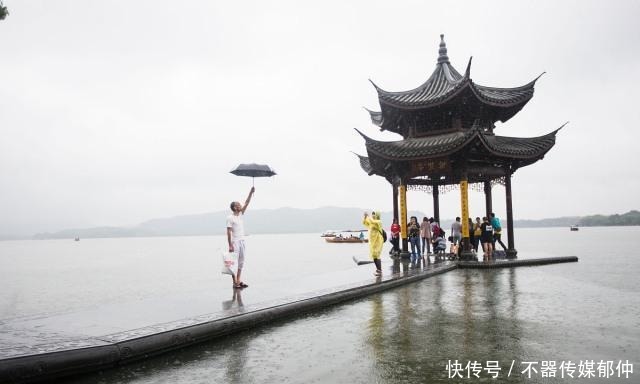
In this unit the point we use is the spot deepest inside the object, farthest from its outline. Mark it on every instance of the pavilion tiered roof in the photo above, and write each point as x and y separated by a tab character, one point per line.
447	99
447	130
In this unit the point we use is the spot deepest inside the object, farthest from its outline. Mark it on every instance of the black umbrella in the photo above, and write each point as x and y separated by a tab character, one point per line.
253	170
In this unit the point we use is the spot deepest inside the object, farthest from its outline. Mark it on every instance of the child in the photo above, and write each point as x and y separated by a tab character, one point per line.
439	245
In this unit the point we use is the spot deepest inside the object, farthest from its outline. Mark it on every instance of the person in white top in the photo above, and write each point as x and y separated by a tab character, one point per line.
425	234
235	236
456	235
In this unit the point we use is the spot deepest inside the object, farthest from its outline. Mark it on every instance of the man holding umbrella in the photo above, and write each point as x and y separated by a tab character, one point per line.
235	235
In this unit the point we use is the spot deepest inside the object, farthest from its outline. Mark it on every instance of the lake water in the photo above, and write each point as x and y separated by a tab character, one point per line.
585	311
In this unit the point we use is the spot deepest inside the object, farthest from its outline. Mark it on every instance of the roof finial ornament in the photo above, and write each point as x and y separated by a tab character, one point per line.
442	57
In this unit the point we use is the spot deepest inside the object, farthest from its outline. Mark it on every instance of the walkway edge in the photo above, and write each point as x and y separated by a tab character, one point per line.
146	346
50	366
516	263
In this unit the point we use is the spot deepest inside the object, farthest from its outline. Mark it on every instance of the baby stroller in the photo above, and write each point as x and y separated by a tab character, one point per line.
439	248
453	252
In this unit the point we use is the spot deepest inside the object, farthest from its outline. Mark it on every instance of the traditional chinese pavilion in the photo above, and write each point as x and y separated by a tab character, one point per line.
448	141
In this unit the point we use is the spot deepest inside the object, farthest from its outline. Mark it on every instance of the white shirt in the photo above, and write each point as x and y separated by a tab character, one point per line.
237	227
456	228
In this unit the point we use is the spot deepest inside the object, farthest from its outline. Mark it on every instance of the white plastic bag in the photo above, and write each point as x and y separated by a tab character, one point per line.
229	262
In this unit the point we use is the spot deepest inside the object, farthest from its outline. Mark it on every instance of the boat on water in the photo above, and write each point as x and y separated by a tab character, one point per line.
77	239
343	233
574	228
340	239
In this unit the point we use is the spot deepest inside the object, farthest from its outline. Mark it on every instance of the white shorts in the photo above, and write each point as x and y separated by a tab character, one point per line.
238	247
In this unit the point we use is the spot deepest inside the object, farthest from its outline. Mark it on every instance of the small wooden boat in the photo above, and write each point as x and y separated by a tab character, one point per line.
574	228
342	233
339	239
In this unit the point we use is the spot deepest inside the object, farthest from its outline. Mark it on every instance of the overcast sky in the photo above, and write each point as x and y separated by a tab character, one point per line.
113	112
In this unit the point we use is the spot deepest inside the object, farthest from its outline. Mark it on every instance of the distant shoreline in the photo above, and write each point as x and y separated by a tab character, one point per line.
260	233
294	220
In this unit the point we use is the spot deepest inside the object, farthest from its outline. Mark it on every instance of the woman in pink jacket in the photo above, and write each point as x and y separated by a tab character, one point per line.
425	234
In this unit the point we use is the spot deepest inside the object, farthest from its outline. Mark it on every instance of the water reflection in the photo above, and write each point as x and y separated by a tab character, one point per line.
404	265
400	265
236	300
467	311
376	327
236	360
236	357
513	290
470	316
395	266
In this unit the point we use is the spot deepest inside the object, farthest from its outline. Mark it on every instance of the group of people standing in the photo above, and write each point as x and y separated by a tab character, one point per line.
487	232
422	236
428	235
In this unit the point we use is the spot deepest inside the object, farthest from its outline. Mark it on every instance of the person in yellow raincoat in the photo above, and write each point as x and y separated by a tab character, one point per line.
374	225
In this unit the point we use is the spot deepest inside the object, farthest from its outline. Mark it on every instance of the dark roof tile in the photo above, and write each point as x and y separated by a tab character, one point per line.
443	144
445	82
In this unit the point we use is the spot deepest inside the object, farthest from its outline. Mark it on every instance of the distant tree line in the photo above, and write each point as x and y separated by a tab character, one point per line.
629	218
3	11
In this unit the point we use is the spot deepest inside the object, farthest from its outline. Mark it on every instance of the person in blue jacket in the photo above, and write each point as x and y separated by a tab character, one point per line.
497	231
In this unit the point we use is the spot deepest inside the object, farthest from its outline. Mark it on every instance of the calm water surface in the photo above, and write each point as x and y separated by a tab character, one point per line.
588	310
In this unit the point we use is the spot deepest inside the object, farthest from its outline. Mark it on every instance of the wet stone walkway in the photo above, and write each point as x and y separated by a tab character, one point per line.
40	348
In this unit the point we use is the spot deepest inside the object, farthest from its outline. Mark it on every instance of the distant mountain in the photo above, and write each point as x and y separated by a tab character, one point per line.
257	221
294	220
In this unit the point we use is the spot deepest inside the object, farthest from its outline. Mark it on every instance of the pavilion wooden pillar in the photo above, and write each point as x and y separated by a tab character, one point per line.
436	204
465	253
511	251
487	198
395	202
